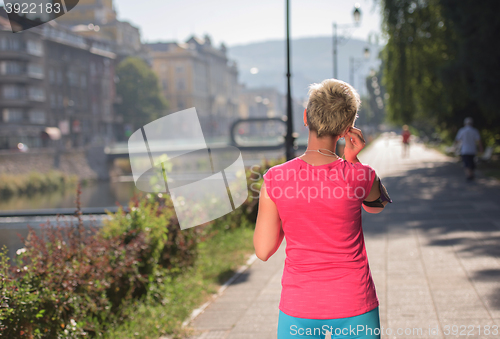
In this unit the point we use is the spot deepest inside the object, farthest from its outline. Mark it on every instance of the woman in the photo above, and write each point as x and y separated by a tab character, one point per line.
406	134
314	201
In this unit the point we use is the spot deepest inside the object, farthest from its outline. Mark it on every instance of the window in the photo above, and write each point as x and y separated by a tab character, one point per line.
179	69
72	78
37	116
93	69
83	81
36	94
11	67
34	47
35	71
181	85
11	43
106	110
180	104
52	76
53	100
105	88
164	84
13	92
59	77
60	101
12	115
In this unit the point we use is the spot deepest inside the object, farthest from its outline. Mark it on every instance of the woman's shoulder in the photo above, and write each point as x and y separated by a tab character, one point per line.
357	165
283	166
358	170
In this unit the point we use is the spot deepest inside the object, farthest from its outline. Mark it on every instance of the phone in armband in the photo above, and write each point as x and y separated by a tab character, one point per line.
384	196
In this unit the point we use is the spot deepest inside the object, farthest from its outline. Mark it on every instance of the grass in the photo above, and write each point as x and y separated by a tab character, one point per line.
489	169
440	147
12	184
164	310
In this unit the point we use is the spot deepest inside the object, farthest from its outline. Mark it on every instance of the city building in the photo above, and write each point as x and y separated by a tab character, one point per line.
198	74
259	102
268	102
98	19
56	88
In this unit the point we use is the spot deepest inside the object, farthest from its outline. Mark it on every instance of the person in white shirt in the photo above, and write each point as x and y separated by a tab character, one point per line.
468	137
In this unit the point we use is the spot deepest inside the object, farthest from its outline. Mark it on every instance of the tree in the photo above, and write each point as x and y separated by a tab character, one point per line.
476	26
440	63
141	99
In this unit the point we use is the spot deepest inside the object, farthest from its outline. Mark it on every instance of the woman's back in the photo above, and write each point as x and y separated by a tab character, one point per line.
326	272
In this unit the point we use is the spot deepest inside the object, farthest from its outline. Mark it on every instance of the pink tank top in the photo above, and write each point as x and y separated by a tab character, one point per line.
326	273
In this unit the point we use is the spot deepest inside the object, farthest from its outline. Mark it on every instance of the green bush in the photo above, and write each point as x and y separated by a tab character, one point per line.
67	275
154	217
69	282
11	184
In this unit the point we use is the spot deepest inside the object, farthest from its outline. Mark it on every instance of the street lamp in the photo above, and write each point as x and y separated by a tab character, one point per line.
357	19
357	13
366	53
355	64
290	137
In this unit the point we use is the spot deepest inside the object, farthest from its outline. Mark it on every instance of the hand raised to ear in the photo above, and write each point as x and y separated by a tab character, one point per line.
354	143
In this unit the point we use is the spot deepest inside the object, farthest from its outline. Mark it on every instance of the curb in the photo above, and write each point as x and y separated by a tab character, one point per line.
196	312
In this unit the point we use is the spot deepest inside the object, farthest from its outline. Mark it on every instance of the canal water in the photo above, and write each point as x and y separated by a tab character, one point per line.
96	194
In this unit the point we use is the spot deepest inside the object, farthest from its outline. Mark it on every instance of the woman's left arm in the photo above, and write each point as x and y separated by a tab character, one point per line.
268	233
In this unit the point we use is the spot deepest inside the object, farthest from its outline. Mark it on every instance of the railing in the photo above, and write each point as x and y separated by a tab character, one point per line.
257	145
58	211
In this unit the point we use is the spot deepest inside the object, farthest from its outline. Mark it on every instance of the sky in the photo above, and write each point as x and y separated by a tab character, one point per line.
239	22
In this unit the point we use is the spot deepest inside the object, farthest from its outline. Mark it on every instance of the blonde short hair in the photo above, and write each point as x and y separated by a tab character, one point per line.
332	107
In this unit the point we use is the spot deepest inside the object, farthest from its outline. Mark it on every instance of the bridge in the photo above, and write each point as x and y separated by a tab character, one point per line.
263	139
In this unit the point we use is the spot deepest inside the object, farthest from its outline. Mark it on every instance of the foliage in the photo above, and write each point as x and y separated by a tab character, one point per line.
32	182
141	98
138	274
64	274
441	63
372	110
154	217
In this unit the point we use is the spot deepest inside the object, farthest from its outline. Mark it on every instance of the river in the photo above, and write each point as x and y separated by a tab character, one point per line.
96	194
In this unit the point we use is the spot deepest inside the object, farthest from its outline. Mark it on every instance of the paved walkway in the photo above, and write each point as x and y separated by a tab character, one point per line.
434	255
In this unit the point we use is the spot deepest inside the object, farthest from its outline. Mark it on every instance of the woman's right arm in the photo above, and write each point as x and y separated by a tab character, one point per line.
354	144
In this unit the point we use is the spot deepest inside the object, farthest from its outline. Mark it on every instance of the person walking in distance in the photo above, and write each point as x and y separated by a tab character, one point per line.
468	137
406	140
314	201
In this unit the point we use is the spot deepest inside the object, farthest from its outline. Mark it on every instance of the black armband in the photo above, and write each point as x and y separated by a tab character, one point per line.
384	196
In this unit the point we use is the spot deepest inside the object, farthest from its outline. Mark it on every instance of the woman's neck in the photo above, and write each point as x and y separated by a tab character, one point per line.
314	143
328	142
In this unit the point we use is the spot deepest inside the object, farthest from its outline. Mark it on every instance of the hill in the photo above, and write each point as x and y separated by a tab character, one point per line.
312	61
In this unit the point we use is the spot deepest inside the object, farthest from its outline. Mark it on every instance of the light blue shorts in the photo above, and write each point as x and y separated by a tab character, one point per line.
363	326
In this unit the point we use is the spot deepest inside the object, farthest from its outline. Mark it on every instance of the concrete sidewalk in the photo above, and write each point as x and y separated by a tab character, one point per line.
434	255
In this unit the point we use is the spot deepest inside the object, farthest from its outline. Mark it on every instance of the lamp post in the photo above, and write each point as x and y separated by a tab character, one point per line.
289	138
357	19
355	64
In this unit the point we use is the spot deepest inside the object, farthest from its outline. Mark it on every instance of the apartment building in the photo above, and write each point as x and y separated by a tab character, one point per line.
55	86
198	74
